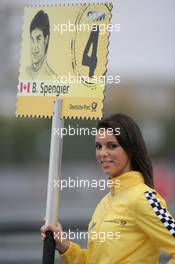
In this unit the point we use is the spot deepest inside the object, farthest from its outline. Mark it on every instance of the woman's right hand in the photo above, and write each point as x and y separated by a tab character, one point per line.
62	244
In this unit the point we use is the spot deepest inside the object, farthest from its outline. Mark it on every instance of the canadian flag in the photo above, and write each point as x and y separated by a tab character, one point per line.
25	87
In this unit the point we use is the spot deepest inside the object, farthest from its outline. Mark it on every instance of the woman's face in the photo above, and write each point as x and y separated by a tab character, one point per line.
111	156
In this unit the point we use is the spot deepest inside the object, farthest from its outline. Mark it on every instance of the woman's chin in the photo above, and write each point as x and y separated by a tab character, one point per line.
107	171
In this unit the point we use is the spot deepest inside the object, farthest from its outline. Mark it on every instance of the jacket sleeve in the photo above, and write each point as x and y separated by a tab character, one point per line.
154	219
74	254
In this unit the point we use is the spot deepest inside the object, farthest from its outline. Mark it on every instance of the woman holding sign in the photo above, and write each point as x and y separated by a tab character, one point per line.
133	218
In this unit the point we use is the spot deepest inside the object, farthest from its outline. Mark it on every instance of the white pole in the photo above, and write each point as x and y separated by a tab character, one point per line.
55	165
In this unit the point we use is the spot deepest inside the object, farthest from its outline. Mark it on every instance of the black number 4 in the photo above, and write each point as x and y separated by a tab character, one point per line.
91	61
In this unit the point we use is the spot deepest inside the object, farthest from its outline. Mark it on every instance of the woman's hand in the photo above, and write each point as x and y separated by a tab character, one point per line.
62	244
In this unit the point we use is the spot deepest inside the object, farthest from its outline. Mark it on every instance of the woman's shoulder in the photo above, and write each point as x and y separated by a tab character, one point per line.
143	193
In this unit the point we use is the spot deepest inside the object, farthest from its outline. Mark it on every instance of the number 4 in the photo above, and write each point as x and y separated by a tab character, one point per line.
91	61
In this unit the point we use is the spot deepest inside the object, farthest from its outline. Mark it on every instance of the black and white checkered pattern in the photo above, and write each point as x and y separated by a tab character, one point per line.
161	212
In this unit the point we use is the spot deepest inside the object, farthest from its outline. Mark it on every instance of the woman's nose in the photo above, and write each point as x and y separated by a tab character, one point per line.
103	151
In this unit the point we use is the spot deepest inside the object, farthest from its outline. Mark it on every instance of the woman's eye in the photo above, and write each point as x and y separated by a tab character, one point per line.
112	146
98	146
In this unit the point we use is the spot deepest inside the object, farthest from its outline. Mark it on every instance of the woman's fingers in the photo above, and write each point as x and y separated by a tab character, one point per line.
43	236
60	244
55	229
51	228
43	229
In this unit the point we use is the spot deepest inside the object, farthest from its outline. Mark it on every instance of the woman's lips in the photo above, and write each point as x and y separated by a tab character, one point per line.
106	163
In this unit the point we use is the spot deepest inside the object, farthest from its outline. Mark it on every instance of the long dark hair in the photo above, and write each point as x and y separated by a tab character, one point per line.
132	142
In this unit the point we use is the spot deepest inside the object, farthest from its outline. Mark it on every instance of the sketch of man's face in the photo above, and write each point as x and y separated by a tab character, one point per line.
38	46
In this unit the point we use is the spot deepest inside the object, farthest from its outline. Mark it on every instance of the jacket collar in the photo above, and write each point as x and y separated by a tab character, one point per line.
125	181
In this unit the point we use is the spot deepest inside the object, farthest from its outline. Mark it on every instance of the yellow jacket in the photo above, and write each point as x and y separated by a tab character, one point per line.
136	224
